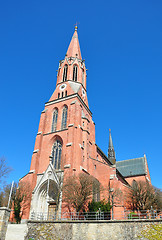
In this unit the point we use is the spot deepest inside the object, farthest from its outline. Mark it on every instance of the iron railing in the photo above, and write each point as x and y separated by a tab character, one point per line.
99	215
43	216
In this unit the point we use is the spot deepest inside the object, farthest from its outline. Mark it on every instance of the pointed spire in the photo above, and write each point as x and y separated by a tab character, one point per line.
110	140
111	152
74	48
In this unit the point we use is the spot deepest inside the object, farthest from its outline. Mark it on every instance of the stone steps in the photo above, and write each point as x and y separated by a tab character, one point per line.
16	231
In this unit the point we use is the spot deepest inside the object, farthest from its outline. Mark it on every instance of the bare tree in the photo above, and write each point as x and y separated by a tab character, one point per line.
78	190
4	169
115	196
4	194
142	196
158	198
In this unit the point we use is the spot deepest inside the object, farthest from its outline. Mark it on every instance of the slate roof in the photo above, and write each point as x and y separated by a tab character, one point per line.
132	167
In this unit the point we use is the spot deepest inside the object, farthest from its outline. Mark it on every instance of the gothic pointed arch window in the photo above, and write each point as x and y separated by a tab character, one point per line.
65	73
56	154
75	73
64	117
54	120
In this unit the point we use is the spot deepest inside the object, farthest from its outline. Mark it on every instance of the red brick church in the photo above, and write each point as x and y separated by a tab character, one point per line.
65	142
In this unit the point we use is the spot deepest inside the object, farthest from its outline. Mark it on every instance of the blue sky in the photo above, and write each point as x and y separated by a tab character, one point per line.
121	42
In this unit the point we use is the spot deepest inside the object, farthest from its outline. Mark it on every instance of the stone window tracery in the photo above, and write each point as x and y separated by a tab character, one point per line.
75	73
54	120
56	154
65	73
64	118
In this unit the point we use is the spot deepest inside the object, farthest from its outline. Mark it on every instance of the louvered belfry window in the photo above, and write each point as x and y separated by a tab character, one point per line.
54	120
83	77
64	118
56	154
65	73
75	73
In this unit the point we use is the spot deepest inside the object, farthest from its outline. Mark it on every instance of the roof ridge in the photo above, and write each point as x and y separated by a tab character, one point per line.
129	159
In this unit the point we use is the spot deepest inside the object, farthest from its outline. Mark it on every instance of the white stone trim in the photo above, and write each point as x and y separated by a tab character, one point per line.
60	99
35	151
70	125
147	179
81	146
84	169
67	166
69	144
44	110
81	128
73	102
112	176
39	133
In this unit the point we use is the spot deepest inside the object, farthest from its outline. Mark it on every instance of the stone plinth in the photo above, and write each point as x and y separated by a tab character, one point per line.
4	217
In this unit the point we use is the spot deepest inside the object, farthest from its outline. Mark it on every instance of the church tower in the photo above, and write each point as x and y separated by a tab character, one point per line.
66	134
66	121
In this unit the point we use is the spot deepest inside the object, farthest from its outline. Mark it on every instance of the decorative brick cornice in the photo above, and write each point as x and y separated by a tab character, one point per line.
69	97
55	131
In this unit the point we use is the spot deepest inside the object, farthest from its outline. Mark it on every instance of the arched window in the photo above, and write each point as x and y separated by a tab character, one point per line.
56	154
54	120
64	118
65	73
75	73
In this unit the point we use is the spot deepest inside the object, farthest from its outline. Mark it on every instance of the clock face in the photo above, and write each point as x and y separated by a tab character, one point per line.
62	87
83	92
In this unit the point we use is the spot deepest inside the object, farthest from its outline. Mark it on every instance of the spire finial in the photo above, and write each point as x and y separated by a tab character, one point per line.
76	26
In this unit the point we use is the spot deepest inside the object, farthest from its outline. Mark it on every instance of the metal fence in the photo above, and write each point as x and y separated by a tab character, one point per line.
43	216
143	214
99	215
86	216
